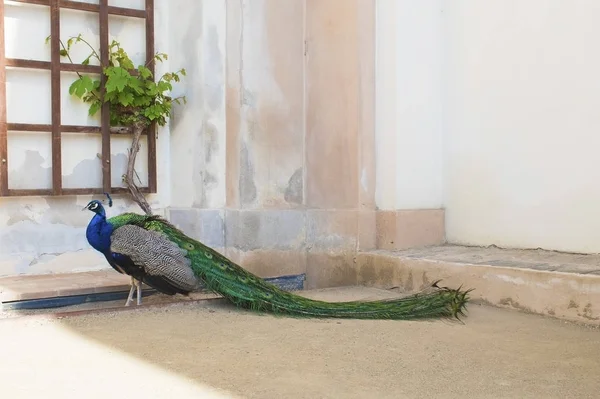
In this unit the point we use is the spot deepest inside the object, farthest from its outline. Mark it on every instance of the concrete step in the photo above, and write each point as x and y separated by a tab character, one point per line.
68	289
27	287
561	285
565	286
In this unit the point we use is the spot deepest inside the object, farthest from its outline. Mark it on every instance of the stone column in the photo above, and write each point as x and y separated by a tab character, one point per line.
340	172
265	229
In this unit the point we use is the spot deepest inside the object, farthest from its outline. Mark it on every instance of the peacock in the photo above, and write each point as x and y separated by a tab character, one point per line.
153	251
99	234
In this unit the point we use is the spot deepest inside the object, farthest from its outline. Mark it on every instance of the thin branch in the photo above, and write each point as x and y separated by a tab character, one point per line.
81	39
154	58
78	74
138	197
169	73
138	177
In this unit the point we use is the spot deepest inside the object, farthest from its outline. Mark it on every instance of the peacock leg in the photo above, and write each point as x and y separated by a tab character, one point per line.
130	297
139	292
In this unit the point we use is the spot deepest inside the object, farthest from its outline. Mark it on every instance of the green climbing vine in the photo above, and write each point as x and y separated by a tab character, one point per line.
132	92
135	98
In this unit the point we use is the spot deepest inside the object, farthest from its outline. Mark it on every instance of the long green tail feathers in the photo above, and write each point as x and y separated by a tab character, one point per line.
246	290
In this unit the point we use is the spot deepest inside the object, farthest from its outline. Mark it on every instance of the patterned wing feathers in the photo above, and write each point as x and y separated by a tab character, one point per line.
156	254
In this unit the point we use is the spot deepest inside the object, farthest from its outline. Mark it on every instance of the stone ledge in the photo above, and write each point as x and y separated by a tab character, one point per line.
565	286
26	287
56	290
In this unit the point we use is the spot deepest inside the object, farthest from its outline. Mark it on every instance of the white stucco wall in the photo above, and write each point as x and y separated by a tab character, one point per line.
490	110
409	104
522	123
46	234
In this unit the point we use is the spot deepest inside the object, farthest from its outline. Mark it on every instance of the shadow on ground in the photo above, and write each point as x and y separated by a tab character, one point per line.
209	350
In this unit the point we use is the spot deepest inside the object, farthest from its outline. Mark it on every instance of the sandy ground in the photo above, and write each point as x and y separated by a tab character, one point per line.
210	350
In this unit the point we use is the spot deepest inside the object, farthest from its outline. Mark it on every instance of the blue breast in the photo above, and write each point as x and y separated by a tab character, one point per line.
98	233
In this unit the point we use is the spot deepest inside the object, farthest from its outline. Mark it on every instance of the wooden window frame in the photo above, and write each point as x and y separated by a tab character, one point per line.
56	67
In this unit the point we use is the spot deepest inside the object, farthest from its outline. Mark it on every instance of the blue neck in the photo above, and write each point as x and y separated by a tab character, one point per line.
98	233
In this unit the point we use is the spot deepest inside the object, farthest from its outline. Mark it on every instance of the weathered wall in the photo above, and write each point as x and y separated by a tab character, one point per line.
39	234
521	123
300	141
272	160
265	227
297	137
197	43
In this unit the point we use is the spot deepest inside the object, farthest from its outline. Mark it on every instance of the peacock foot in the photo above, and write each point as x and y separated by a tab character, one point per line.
130	297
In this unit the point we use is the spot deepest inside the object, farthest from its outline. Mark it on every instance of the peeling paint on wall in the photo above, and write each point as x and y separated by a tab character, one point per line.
31	173
198	130
271	81
294	190
247	185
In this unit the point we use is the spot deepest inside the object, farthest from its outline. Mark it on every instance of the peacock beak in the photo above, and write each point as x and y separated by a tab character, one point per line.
84	208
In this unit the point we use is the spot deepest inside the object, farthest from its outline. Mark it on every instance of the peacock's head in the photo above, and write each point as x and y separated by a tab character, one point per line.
95	206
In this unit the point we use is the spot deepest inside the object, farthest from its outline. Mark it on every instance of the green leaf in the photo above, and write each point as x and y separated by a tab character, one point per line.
94	108
164	86
126	98
131	99
144	72
136	86
142	101
126	63
117	79
81	86
151	88
48	39
153	112
123	59
110	96
89	98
